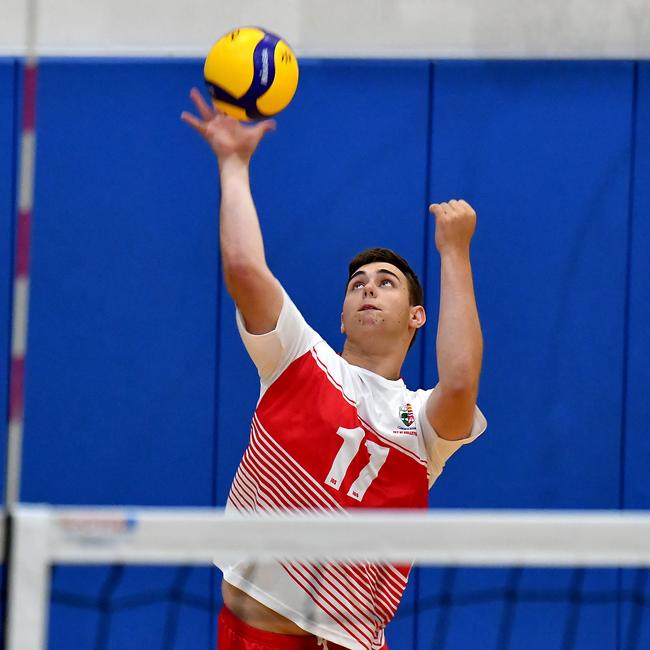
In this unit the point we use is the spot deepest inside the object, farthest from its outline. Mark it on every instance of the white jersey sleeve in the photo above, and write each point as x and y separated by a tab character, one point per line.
439	450
274	351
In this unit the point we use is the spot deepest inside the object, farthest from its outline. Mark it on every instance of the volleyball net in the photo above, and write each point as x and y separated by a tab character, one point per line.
573	580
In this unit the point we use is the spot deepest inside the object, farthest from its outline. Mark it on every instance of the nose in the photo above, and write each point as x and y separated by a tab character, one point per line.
368	289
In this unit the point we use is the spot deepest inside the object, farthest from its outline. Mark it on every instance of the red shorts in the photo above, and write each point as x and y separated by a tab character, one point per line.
234	634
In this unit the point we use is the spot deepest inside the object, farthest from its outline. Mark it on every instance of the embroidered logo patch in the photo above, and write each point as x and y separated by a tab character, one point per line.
406	415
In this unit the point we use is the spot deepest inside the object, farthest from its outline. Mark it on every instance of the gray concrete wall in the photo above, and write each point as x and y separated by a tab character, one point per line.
339	28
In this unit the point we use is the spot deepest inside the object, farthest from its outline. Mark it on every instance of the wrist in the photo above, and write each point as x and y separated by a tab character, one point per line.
455	254
233	163
233	170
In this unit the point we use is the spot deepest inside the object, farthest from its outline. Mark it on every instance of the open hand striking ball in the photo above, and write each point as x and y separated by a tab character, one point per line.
251	74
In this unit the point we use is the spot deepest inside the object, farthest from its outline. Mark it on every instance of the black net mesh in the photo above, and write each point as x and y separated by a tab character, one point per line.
443	609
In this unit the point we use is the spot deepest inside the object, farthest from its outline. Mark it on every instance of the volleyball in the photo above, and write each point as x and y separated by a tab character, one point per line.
251	73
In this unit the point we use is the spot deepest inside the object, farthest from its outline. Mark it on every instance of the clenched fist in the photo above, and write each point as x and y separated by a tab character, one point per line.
455	225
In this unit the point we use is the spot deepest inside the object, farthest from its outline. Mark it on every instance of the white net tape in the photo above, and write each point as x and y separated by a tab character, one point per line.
44	536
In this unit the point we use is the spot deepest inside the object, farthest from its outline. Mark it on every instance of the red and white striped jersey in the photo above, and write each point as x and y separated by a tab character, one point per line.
328	436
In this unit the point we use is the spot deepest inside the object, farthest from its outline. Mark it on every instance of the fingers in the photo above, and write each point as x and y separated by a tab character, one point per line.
205	111
194	122
442	208
450	207
438	209
260	129
267	125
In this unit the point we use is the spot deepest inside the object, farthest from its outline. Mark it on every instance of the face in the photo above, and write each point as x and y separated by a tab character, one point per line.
377	300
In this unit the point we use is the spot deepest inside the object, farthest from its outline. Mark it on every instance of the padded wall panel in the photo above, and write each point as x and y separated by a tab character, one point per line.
120	373
122	337
344	171
637	441
524	143
8	132
636	445
119	608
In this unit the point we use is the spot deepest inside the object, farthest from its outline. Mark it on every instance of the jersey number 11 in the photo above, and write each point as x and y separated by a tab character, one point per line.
352	439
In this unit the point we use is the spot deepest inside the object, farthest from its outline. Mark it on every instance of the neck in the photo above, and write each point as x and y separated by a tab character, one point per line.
386	365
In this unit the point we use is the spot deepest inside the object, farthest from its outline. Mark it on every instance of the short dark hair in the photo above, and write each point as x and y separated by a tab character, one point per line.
370	255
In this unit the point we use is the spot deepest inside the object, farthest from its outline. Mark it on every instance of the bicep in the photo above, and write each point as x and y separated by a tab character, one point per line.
258	297
280	338
451	413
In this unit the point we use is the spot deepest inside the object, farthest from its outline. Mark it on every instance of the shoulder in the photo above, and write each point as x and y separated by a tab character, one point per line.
273	351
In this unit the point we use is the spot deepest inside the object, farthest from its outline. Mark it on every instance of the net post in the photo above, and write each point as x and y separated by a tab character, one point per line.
29	579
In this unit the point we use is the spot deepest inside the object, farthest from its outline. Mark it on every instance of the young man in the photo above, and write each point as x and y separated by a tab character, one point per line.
333	432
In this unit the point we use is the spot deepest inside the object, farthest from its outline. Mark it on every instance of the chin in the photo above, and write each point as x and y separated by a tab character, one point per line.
370	317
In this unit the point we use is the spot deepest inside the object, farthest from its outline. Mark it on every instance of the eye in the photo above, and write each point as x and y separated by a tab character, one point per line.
356	285
386	281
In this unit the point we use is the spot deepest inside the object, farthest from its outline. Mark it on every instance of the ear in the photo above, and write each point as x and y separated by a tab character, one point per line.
342	325
418	317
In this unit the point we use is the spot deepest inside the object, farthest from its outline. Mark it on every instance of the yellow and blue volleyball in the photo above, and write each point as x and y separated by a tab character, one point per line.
251	74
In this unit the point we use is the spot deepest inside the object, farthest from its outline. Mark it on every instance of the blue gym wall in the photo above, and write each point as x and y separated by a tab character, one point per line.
8	145
139	391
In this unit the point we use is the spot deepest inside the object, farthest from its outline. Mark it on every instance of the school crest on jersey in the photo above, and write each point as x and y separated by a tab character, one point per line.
406	415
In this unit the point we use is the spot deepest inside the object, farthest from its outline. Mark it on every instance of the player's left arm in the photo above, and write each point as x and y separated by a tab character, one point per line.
459	344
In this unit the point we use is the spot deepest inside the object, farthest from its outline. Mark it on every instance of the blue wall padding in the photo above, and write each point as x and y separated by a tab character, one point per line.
139	390
122	338
525	143
636	441
151	607
509	609
9	124
9	106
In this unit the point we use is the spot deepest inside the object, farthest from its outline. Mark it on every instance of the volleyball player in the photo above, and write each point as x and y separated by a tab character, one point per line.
334	432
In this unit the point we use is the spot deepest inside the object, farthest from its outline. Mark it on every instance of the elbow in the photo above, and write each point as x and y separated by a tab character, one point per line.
460	379
240	275
461	388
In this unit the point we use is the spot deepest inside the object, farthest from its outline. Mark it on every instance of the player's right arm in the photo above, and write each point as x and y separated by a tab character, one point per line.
256	292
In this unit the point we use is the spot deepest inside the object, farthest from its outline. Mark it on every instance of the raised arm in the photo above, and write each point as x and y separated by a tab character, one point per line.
249	281
459	344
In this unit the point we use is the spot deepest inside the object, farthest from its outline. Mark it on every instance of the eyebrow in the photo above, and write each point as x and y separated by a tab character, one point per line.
356	273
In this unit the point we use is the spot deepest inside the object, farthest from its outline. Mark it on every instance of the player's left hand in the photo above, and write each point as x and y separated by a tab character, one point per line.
455	225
